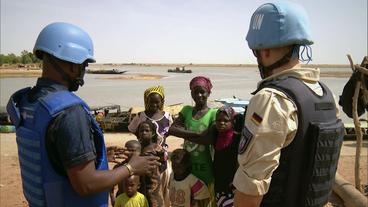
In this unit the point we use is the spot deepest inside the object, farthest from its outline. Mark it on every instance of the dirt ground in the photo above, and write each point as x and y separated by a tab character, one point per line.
10	184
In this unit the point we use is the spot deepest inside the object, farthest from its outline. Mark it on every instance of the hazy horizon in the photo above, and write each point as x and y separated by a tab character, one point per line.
198	32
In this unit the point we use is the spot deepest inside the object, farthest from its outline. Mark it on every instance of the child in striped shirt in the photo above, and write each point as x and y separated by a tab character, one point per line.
186	190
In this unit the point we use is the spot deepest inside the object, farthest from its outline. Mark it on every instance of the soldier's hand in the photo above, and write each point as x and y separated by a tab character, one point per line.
144	164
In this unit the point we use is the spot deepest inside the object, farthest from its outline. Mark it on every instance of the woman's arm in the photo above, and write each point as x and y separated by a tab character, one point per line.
178	129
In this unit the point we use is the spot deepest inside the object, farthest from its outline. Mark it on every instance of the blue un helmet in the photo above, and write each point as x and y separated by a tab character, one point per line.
278	24
66	42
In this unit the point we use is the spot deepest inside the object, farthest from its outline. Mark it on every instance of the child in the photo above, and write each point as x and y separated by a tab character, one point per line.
131	197
224	135
148	139
186	190
147	136
134	147
146	133
226	142
154	99
151	184
198	119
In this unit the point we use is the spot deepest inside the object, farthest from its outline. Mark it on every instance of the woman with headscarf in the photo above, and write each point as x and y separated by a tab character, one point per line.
154	99
194	120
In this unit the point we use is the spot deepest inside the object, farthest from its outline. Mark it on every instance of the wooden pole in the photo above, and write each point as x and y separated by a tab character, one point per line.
358	130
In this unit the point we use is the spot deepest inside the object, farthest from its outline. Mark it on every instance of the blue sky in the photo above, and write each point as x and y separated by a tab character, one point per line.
181	31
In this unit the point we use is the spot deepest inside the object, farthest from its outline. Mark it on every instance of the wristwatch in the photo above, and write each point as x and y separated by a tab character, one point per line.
130	169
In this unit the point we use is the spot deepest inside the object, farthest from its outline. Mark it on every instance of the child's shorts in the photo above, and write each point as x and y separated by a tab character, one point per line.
224	199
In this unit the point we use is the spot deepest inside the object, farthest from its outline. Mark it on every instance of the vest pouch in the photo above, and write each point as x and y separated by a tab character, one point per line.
326	140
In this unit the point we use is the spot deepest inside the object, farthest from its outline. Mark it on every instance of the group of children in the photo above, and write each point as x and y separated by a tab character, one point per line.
201	173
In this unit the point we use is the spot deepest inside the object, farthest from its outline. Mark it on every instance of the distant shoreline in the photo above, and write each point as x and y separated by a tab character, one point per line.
215	65
36	66
17	70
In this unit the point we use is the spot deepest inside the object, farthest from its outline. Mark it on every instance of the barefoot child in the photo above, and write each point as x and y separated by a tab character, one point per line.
198	119
186	190
152	185
131	197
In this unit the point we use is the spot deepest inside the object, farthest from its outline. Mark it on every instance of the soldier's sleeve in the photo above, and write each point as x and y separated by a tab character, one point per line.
337	106
270	125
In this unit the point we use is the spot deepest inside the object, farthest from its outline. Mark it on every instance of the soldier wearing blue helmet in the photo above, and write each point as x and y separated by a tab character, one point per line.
61	148
292	136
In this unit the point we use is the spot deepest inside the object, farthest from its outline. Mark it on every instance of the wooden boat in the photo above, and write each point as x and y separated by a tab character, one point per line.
111	118
110	71
178	70
7	129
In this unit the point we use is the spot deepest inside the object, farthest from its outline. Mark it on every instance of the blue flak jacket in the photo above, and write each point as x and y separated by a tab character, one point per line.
42	186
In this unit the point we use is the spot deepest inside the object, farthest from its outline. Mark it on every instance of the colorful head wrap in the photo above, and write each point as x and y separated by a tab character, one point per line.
201	81
229	111
154	89
224	139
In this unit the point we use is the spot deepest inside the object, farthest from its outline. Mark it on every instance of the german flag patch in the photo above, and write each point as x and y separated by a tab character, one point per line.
257	119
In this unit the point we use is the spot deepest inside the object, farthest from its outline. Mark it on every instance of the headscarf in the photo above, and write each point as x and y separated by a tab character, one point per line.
229	111
224	139
201	81
154	89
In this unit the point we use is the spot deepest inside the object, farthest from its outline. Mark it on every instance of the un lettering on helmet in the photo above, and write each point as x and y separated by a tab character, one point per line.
279	24
257	21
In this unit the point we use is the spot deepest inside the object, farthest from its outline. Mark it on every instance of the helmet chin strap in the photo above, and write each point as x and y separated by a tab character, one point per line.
284	60
73	84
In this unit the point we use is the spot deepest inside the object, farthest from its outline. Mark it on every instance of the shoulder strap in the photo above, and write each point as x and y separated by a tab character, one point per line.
56	102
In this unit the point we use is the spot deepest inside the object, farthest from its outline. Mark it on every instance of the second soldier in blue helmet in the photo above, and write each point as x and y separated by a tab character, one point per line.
292	136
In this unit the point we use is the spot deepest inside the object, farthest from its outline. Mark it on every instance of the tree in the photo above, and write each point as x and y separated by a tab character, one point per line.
13	59
25	57
2	59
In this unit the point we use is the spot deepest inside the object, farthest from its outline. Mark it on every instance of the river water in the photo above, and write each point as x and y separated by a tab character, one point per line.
227	82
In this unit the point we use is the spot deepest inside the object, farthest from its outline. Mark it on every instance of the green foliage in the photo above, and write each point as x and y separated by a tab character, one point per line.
24	58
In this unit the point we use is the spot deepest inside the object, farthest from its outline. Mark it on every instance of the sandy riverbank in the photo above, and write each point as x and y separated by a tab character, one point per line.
10	183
